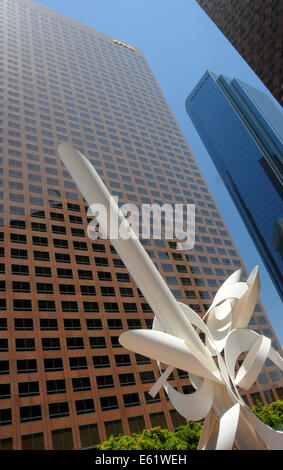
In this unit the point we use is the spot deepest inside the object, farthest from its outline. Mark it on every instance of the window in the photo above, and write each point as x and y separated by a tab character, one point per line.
85	274
136	424
64	273
42	271
62	258
147	377
97	342
58	410
46	306
134	323
78	363
69	306
62	439
109	403
131	399
53	364
44	288
100	362
41	256
47	324
85	406
94	324
25	344
55	386
104	381
28	389
50	344
81	383
33	441
127	379
88	290
113	428
19	286
158	419
142	359
123	277
89	435
5	391
5	416
75	342
104	276
90	307
122	360
25	366
101	261
30	413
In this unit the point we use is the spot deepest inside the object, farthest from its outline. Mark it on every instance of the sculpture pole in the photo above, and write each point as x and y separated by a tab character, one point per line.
131	251
175	342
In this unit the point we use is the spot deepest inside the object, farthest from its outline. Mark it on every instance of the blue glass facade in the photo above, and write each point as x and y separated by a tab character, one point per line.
242	131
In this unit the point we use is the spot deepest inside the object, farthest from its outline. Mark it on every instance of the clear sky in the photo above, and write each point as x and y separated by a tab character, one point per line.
180	42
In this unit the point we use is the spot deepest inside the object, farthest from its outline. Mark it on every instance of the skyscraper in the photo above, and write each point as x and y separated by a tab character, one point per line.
243	133
65	380
255	30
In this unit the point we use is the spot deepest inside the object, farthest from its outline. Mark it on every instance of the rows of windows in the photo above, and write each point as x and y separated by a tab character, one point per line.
32	413
62	439
51	324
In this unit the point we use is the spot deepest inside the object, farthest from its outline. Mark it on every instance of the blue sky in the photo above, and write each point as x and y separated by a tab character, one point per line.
180	42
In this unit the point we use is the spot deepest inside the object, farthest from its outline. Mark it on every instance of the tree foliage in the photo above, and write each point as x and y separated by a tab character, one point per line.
271	414
185	438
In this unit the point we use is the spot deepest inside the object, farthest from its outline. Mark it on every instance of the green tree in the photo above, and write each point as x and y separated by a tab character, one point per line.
271	414
185	438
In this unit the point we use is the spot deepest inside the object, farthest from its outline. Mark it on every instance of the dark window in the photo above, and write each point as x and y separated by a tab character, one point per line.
97	342
126	379
115	324
75	342
5	391
100	362
5	416
81	383
28	389
53	364
131	399
4	367
58	410
25	344
122	360
30	413
25	366
104	381
55	386
109	403
50	344
84	406
47	324
78	363
20	269
94	324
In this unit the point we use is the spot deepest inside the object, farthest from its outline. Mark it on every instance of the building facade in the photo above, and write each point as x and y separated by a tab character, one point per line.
255	30
243	133
65	381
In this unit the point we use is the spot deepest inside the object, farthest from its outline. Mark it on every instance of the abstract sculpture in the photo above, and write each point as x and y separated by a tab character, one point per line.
175	342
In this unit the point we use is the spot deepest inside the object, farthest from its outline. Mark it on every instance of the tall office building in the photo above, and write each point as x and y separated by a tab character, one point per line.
255	30
65	380
243	133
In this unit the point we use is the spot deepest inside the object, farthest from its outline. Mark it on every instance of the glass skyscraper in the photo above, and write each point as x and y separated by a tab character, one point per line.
242	131
65	381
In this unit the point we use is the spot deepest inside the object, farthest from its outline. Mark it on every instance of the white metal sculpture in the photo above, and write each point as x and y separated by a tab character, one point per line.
174	339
